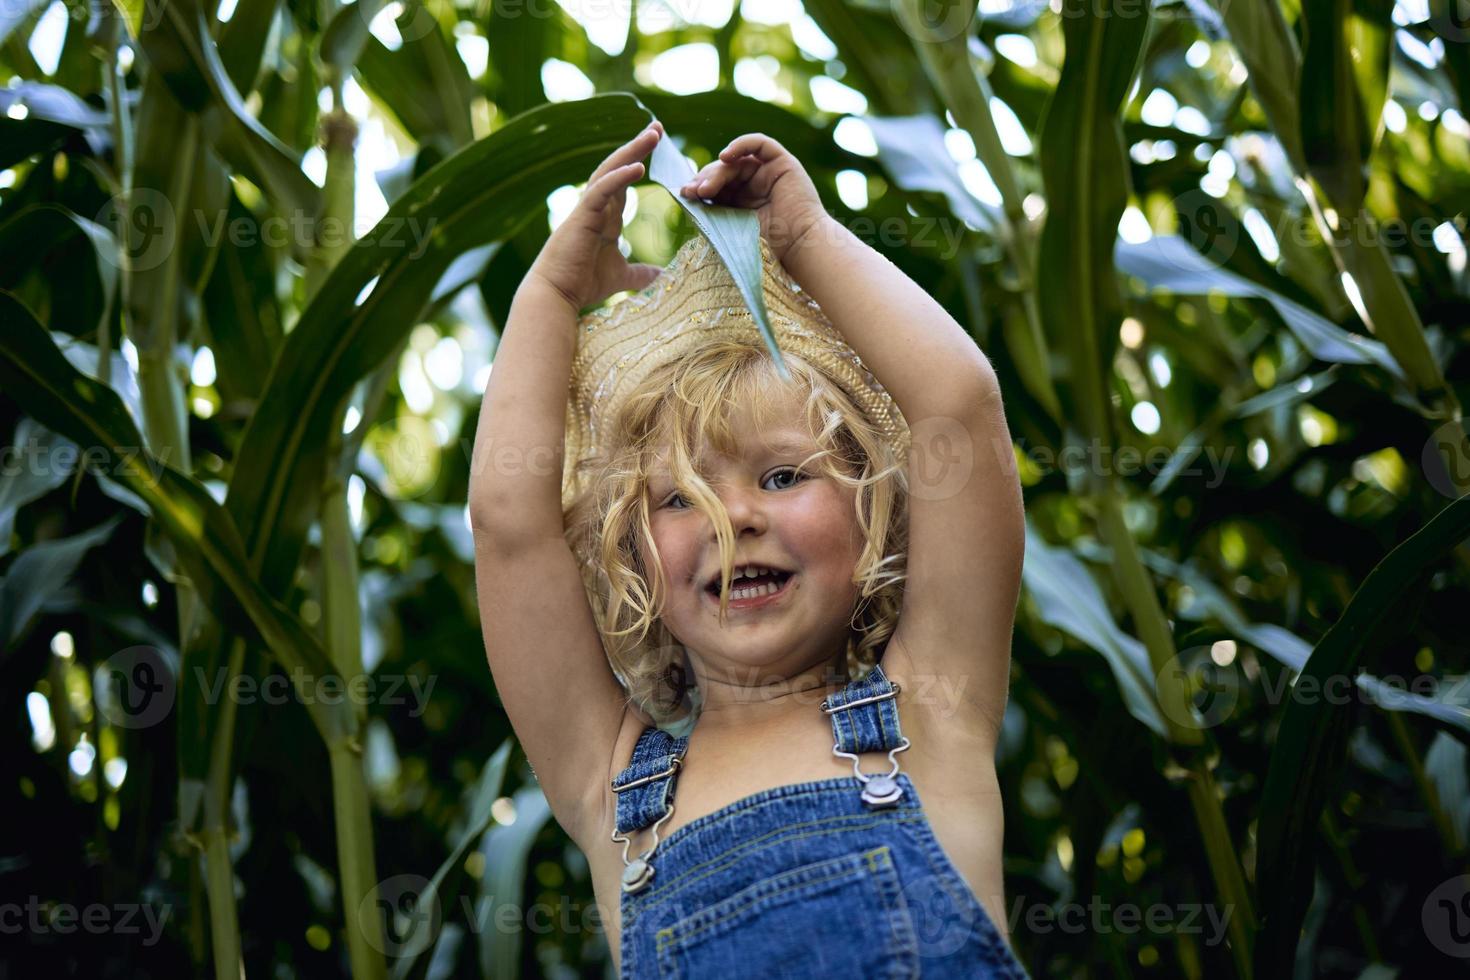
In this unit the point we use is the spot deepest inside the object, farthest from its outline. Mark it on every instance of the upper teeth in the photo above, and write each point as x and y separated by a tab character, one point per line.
747	571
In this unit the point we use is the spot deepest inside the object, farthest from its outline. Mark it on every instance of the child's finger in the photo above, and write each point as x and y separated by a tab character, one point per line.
635	149
711	180
758	145
718	175
601	190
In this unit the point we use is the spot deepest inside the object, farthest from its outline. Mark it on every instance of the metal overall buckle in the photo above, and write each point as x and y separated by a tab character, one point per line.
879	789
638	872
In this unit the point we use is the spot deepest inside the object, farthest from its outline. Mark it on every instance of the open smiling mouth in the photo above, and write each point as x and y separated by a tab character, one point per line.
747	593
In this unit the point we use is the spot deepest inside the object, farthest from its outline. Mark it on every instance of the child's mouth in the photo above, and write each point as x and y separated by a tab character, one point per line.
748	596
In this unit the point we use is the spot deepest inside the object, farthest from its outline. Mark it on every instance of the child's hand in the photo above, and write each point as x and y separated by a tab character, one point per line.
581	260
755	171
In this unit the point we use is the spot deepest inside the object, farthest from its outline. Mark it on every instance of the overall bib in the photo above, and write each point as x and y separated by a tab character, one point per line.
838	877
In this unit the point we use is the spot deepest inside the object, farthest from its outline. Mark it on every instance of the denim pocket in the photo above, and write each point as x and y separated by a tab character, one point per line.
844	916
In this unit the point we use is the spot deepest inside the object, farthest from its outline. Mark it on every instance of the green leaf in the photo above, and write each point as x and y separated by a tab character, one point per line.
507	851
36	374
1445	764
1311	739
241	316
1329	135
1266	45
424	82
1085	169
913	152
132	12
1339	115
1446	705
734	233
487	791
30	234
16	13
181	49
1069	599
31	472
1169	262
41	571
242	41
347	32
177	200
55	104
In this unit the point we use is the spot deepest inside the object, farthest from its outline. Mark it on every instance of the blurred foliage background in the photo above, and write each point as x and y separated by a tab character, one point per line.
253	262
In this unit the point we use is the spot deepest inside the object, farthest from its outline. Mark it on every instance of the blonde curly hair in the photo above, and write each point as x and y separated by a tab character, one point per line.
663	419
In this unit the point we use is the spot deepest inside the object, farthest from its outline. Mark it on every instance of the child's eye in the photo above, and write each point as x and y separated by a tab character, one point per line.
796	474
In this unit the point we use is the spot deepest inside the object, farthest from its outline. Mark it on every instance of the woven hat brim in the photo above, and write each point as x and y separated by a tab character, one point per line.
695	301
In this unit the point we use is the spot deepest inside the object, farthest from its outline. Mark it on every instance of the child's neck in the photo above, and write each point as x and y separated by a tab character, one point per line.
748	696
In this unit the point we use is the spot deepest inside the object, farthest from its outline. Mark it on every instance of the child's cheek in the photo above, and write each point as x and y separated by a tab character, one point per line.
826	526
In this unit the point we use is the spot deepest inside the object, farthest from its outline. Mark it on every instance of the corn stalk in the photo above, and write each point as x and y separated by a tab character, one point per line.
1326	108
351	805
1084	166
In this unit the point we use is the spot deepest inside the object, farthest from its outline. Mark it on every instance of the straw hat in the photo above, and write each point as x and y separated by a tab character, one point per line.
695	301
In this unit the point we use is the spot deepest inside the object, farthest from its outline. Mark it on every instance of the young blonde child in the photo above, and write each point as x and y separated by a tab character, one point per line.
629	465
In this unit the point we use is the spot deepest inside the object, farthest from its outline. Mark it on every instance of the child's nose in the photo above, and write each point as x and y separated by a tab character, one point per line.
746	508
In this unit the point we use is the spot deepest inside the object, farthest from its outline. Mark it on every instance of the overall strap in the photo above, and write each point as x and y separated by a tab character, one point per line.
646	788
864	714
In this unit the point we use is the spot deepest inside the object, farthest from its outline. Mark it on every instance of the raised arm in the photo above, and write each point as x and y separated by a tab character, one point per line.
967	532
542	643
911	344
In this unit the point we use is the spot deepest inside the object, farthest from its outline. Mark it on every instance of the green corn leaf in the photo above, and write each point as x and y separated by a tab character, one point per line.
1344	81
26	481
1068	598
1085	169
347	32
507	852
1169	262
487	790
1311	740
38	573
180	48
35	373
734	233
29	235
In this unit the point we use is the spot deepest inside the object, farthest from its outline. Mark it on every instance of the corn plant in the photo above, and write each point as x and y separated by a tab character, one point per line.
254	260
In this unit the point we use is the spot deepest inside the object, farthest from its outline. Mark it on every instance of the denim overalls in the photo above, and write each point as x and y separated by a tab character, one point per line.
838	877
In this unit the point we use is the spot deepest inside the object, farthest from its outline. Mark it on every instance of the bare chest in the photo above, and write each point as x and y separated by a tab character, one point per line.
957	787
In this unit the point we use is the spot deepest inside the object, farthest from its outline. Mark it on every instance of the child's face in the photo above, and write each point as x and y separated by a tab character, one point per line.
803	523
